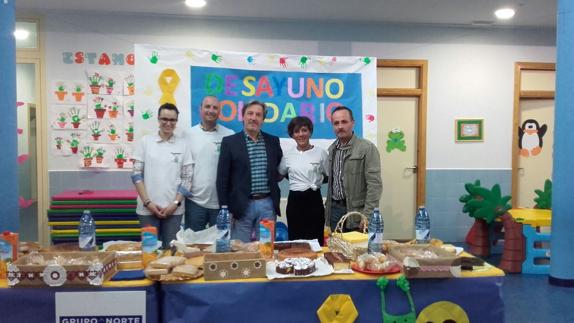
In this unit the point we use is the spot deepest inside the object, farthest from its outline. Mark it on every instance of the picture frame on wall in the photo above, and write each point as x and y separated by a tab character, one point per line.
466	130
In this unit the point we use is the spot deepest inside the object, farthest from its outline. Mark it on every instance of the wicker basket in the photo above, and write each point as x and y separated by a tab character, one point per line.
336	242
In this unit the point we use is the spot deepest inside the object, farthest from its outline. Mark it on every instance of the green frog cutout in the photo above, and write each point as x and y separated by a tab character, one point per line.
396	140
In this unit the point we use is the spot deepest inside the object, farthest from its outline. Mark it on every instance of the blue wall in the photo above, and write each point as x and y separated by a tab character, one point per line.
445	186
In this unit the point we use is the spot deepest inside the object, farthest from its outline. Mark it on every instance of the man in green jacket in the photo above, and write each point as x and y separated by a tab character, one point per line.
355	173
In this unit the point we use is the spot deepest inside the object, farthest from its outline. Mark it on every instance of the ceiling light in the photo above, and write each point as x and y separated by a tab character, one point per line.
195	3
504	13
21	34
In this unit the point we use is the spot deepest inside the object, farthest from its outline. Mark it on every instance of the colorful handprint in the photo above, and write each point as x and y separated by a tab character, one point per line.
147	114
283	61
216	58
154	57
303	61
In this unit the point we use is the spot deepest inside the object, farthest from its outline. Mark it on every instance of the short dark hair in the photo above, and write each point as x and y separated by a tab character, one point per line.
207	96
252	103
298	123
167	106
342	107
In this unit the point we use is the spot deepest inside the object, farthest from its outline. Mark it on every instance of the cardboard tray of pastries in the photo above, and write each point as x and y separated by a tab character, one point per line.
234	265
128	254
426	261
172	268
54	269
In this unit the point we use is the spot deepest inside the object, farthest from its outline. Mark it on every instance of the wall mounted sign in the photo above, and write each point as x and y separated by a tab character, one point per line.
469	130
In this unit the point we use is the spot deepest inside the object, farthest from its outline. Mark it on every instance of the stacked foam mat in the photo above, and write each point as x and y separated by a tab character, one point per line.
113	210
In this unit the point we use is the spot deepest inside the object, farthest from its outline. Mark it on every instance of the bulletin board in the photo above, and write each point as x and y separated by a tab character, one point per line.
90	107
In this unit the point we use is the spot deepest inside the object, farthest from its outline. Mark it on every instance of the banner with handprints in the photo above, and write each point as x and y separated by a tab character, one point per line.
291	85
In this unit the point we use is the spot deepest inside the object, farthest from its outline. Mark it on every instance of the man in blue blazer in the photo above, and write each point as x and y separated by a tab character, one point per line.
247	176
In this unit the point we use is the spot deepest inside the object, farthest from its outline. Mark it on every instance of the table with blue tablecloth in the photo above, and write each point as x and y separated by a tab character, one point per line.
297	300
37	304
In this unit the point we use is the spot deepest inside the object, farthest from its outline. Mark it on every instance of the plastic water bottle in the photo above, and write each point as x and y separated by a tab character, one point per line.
87	232
422	225
376	227
223	242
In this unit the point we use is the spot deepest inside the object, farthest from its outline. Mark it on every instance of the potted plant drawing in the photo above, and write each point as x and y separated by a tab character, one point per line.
95	83
100	155
120	157
96	131
110	85
75	116
78	93
61	120
113	110
130	132
131	108
59	141
113	133
130	83
98	108
61	91
88	153
74	142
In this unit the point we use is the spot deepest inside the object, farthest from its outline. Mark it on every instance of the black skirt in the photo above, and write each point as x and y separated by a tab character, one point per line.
305	215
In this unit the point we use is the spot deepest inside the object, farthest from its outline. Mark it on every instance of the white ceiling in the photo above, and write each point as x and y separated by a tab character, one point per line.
529	13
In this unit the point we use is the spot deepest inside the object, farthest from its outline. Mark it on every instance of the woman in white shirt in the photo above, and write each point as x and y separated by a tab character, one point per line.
304	165
162	176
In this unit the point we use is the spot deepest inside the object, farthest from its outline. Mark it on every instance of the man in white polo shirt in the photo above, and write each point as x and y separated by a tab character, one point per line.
204	141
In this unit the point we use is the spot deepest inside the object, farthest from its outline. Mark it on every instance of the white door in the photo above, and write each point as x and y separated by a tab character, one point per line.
537	141
397	140
535	136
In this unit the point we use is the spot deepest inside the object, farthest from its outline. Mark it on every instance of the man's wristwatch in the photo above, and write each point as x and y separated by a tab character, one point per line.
178	203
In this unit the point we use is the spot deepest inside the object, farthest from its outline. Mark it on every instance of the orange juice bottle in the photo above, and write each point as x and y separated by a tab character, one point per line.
266	237
326	235
8	251
149	244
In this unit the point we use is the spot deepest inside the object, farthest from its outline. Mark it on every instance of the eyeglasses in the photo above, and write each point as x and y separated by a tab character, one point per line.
166	120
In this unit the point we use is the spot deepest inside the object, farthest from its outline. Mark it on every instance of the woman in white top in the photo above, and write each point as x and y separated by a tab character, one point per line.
162	176
304	166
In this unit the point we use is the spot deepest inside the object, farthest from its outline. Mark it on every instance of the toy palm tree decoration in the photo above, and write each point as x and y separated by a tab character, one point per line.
486	206
544	199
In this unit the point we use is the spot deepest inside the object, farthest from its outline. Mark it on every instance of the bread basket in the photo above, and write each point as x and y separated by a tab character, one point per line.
338	244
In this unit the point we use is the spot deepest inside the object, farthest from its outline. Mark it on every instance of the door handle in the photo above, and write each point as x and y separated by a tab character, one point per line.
413	168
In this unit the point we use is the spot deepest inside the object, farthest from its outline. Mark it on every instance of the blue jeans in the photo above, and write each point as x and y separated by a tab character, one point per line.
247	228
337	212
166	228
198	217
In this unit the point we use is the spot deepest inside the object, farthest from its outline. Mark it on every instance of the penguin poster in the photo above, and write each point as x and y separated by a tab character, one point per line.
530	138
